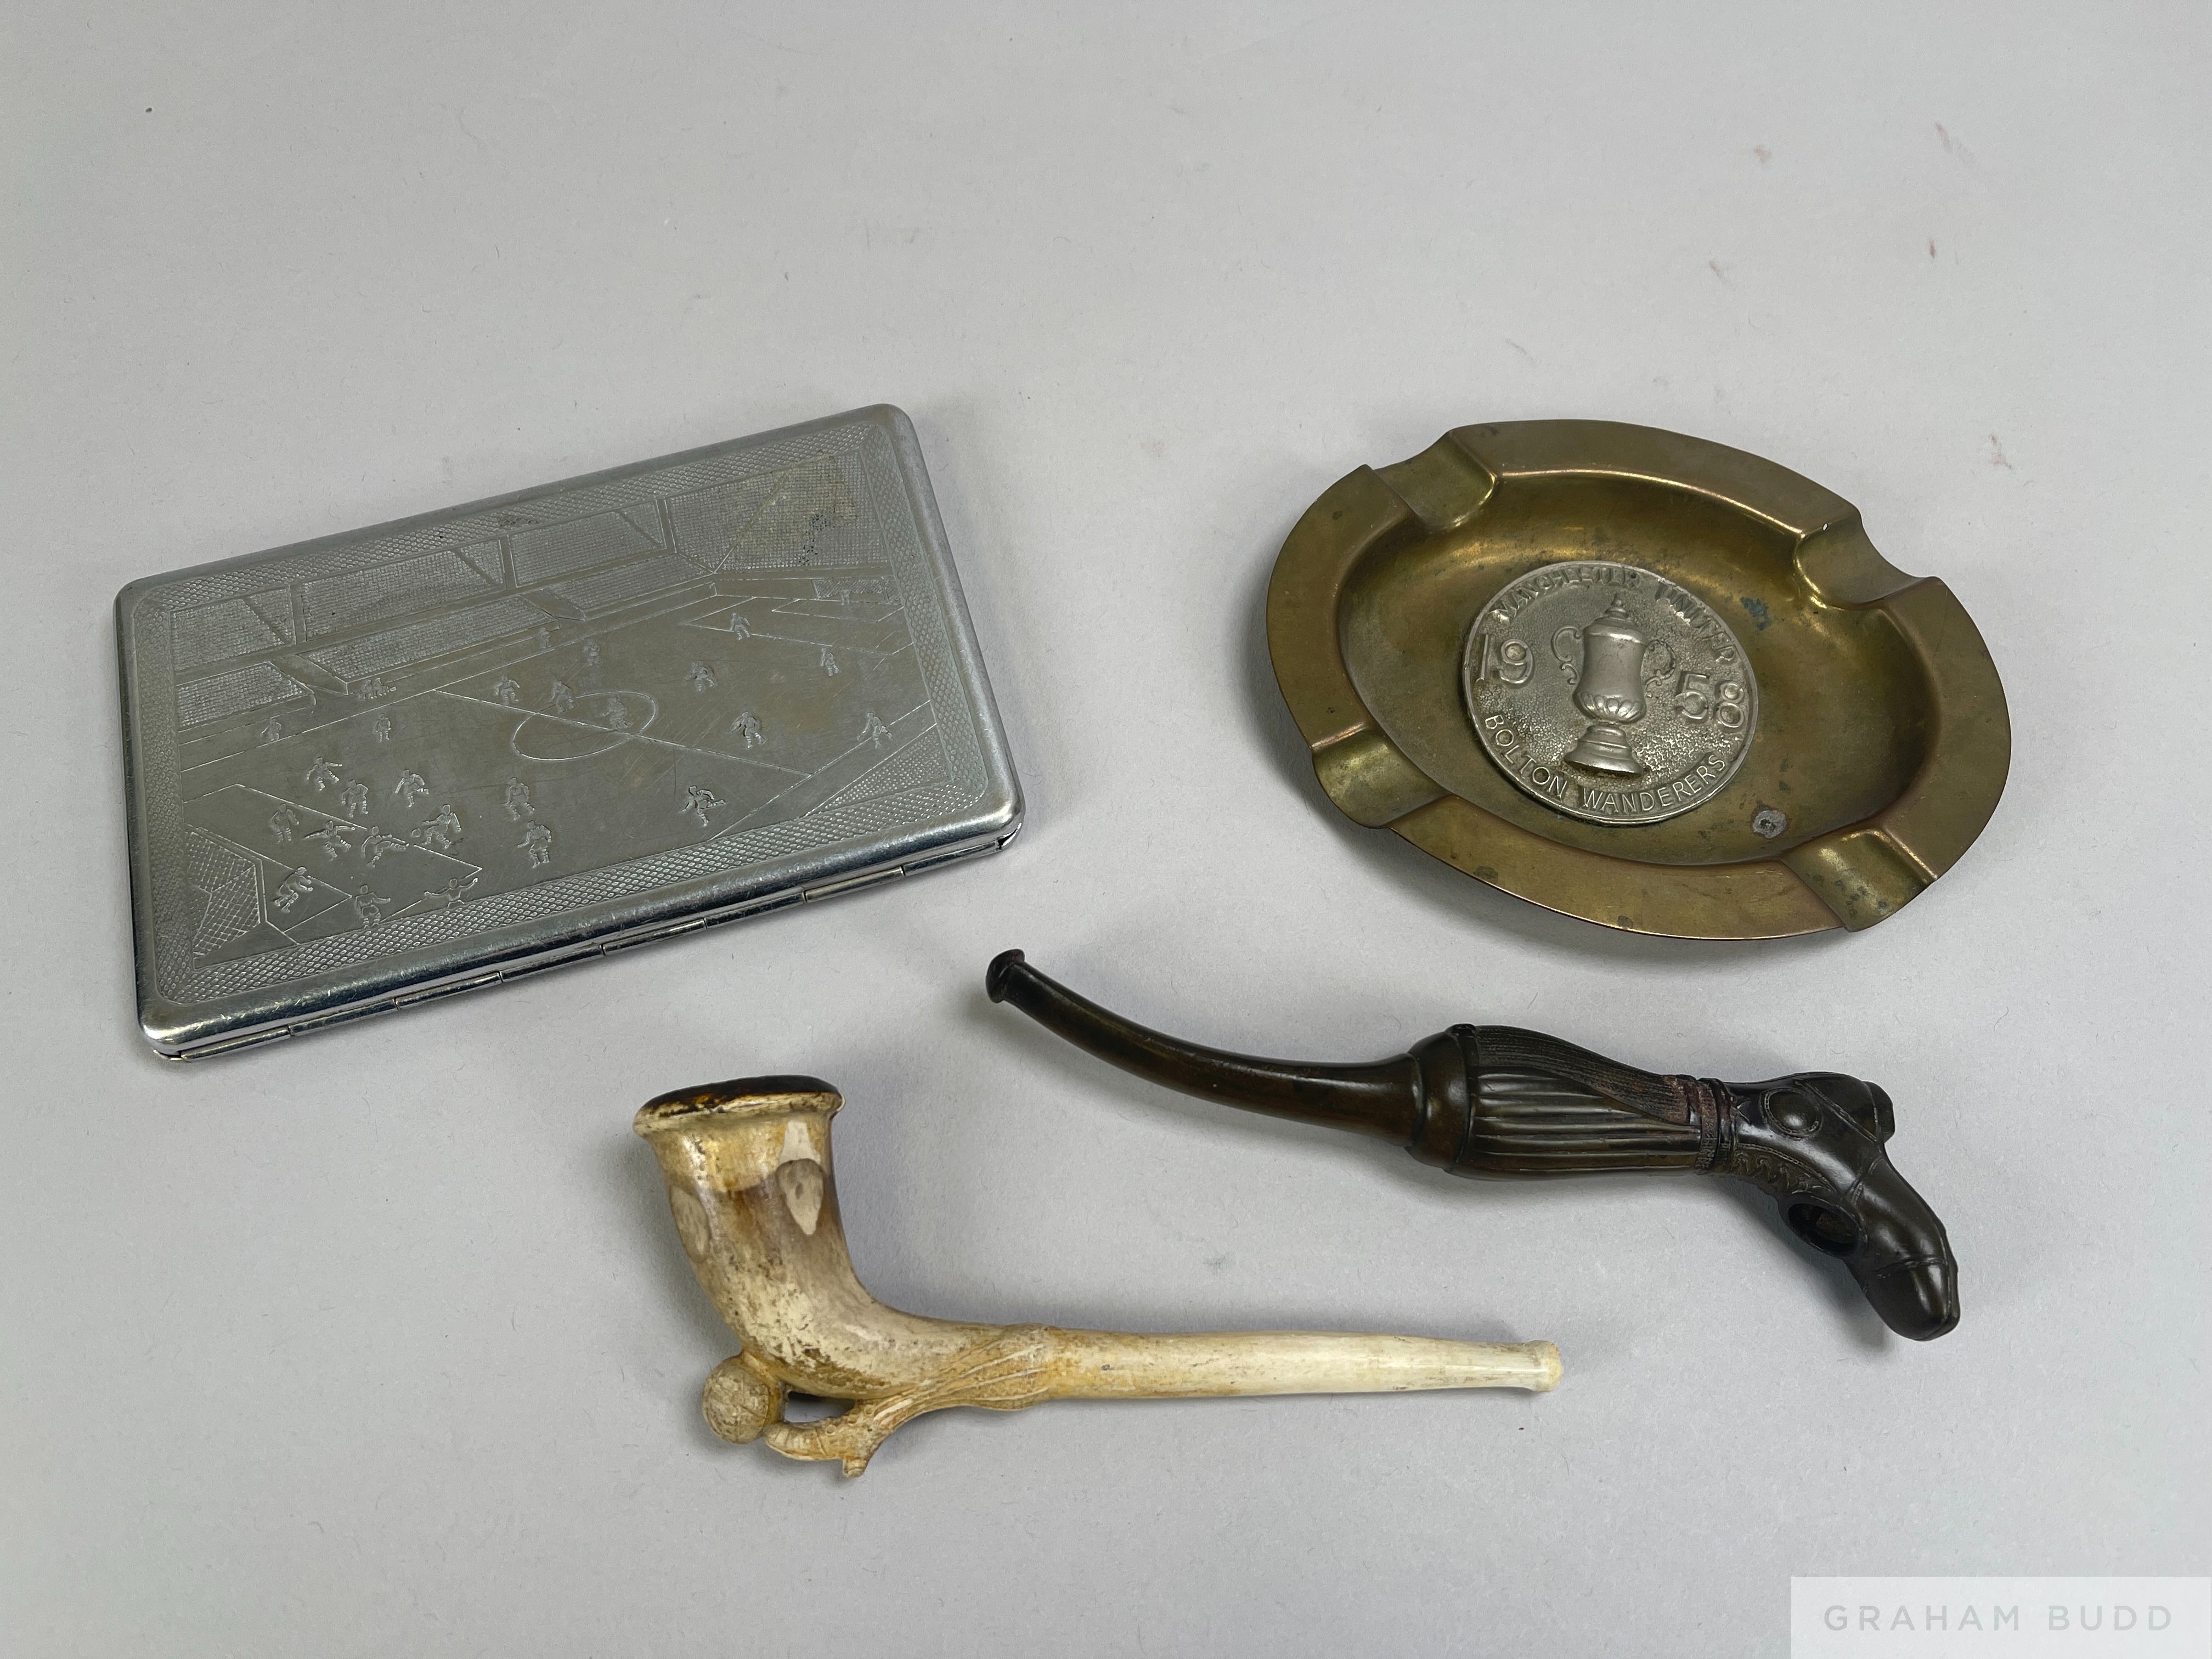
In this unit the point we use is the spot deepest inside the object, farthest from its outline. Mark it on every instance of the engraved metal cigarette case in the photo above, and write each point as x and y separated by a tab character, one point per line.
382	767
1637	678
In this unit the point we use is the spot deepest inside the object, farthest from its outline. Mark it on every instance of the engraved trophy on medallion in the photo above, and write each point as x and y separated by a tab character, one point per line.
1608	688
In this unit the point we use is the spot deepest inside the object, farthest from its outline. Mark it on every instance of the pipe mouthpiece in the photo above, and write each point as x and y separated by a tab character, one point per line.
1000	970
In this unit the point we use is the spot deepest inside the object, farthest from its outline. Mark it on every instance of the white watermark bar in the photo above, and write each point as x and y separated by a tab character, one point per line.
2000	1618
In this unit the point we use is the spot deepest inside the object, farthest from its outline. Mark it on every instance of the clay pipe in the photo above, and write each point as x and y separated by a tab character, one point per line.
1493	1101
747	1168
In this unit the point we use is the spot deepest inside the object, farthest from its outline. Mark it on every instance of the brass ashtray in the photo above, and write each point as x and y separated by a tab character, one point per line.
1637	678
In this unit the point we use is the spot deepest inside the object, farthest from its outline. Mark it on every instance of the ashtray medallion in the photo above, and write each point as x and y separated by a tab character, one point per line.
1609	693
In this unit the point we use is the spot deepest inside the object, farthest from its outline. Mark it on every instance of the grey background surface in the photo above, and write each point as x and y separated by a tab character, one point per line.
381	1342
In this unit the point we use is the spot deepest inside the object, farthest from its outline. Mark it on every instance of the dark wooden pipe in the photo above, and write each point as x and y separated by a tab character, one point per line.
1493	1101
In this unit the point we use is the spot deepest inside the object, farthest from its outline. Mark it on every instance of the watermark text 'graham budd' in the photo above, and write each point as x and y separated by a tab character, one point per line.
2011	1618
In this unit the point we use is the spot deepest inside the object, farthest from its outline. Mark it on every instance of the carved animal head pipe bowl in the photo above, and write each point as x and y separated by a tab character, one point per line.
749	1181
1491	1101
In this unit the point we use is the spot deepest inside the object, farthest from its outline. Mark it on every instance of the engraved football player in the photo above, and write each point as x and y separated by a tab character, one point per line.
441	832
451	893
378	844
698	801
289	893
